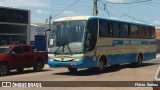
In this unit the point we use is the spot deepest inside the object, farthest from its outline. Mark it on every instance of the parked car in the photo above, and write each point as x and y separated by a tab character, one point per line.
19	57
157	80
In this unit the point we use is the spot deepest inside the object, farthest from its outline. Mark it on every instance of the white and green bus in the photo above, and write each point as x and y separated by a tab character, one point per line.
94	42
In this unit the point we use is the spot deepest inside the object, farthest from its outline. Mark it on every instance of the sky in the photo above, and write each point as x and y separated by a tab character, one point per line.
142	12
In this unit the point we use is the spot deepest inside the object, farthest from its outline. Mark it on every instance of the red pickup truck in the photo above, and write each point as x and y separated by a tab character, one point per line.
19	57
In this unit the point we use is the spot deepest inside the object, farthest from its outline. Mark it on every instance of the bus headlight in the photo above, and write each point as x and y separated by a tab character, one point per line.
77	59
51	59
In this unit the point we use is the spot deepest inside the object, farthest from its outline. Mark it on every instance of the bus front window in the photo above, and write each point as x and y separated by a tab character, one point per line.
67	37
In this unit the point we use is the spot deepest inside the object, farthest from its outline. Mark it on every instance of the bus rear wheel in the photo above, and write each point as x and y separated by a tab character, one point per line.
72	70
140	59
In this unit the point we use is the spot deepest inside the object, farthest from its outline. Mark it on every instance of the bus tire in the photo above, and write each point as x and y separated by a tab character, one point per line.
140	59
72	70
101	66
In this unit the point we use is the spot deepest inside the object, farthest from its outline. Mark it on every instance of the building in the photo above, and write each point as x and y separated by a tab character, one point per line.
14	26
39	36
37	29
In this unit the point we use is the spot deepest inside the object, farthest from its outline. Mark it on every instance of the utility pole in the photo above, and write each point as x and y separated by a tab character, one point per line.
46	22
95	11
50	20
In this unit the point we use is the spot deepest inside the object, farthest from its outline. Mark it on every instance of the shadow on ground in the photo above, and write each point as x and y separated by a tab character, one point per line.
110	69
14	72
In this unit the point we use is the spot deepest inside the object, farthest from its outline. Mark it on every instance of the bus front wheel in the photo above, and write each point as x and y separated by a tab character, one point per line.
72	70
101	66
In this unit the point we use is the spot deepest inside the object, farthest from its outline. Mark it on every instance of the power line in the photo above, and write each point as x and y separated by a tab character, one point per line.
107	11
67	8
128	2
123	15
104	8
132	18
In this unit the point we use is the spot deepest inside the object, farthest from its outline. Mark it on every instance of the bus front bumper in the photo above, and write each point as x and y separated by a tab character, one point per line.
53	63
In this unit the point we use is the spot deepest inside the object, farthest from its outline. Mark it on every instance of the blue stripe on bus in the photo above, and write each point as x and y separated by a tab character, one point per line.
90	61
121	58
128	58
153	42
87	62
133	42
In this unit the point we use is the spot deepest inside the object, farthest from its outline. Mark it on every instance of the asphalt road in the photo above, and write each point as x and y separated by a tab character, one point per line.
125	72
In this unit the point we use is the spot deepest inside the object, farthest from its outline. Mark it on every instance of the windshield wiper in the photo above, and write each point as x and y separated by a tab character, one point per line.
65	43
68	49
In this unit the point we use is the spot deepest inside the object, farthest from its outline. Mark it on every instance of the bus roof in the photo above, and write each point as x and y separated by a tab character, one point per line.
90	17
73	18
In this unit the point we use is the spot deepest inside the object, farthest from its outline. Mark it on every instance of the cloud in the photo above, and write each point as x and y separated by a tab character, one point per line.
116	1
121	1
70	13
24	3
42	12
156	23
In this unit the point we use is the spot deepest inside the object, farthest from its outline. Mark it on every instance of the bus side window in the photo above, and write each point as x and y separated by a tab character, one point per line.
92	29
110	28
124	30
134	31
103	28
147	32
116	30
142	31
152	32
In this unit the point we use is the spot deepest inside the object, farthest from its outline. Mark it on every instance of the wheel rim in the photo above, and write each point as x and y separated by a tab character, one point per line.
3	70
140	61
101	65
39	66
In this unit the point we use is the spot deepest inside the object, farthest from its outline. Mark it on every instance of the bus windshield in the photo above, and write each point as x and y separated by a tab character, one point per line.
67	37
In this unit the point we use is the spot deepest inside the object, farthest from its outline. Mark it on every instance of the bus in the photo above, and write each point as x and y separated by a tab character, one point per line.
94	42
